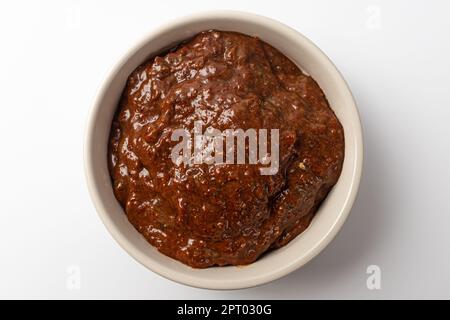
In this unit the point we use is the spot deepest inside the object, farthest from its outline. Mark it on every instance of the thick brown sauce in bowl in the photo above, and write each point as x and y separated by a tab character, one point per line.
222	214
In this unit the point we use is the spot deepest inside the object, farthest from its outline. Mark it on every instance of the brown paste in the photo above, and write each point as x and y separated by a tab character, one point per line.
222	214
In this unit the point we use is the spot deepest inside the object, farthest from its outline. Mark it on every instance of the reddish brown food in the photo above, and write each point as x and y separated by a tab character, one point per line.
205	215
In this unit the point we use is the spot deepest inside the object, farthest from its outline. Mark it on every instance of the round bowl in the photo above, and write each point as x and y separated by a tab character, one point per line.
331	214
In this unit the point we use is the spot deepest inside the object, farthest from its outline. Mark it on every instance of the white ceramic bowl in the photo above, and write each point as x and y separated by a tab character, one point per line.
332	212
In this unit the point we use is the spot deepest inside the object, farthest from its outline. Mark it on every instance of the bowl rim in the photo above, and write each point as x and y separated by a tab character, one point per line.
182	278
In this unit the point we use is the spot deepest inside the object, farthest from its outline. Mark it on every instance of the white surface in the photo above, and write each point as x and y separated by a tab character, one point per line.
394	55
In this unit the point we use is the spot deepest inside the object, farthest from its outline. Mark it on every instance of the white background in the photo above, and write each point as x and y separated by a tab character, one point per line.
395	57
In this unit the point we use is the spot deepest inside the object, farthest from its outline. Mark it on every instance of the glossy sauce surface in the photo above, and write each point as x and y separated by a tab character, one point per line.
224	214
